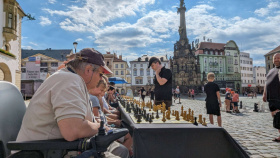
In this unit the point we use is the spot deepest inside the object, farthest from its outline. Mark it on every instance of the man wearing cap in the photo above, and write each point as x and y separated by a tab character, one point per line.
61	108
162	81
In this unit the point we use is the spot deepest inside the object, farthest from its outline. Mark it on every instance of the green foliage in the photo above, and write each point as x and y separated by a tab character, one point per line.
7	53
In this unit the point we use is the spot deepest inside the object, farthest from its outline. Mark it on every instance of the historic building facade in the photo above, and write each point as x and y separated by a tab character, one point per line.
120	68
221	59
37	65
269	58
141	75
259	75
247	78
184	65
10	41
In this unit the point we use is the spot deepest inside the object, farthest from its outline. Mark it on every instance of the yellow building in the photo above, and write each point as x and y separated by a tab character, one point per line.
120	68
10	41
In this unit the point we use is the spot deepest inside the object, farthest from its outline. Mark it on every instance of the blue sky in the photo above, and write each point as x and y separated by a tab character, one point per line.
137	27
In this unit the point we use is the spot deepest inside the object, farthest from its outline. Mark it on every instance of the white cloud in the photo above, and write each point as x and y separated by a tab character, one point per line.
267	10
52	1
79	39
90	37
35	44
44	21
26	47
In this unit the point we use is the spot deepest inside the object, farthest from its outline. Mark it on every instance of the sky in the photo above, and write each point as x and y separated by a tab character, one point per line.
133	28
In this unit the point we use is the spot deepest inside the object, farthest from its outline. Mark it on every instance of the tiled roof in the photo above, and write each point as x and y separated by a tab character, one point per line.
58	54
210	45
277	49
118	60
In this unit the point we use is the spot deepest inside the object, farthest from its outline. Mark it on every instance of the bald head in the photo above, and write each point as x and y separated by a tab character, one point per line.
276	59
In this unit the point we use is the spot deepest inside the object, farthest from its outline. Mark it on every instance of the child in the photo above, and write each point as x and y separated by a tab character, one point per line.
235	100
213	99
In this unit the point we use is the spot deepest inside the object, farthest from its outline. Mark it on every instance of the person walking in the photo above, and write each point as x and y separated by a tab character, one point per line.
162	81
143	93
177	94
192	92
213	99
272	89
152	93
228	100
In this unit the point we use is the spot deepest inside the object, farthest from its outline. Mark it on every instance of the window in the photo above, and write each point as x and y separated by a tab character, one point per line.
141	72
235	54
44	64
205	69
210	60
221	60
241	61
216	53
206	52
45	70
236	69
211	52
221	69
122	73
228	53
54	64
148	72
121	65
23	70
107	63
134	65
135	72
205	60
10	20
139	81
116	66
141	65
215	60
236	61
116	73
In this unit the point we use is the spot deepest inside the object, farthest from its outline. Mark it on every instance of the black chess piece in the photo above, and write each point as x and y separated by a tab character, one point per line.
153	116
256	108
150	120
240	104
147	117
139	118
195	122
157	115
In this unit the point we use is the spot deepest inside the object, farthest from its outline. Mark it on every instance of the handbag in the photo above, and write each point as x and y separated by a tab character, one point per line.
144	93
276	120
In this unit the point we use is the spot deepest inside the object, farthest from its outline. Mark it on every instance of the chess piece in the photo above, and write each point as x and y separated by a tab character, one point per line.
147	117
139	118
192	119
190	110
182	111
185	115
150	120
150	107
168	115
163	117
200	119
195	123
204	122
157	116
173	113
153	116
177	116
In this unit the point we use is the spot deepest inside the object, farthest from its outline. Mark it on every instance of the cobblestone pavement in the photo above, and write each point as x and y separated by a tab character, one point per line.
252	130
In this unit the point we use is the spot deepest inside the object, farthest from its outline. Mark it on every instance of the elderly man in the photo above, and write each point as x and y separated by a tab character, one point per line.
61	108
272	89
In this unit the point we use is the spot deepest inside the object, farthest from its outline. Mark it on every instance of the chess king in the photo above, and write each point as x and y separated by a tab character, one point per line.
162	81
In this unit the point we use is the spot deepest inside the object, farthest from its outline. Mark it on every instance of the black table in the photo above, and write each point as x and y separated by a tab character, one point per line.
180	140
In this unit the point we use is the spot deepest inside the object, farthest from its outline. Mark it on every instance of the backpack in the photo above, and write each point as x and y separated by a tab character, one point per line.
235	98
144	93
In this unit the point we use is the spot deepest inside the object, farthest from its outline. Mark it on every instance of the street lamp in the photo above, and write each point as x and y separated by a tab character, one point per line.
75	45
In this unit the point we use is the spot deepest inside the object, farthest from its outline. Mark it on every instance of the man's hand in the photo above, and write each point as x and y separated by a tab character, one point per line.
274	112
220	104
264	97
158	70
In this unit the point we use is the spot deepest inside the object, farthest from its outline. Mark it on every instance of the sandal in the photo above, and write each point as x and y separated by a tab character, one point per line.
276	140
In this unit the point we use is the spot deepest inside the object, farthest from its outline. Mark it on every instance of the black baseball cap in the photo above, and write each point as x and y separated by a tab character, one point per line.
152	60
92	56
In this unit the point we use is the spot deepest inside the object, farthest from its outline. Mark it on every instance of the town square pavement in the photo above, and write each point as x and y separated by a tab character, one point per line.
252	130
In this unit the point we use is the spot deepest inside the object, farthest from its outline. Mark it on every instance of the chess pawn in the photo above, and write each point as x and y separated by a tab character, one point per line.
168	115
177	116
139	118
150	120
190	110
157	116
173	113
182	108
204	122
163	117
153	115
195	123
188	117
192	119
182	112
185	115
200	119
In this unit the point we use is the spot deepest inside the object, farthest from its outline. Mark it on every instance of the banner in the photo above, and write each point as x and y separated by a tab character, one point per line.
38	60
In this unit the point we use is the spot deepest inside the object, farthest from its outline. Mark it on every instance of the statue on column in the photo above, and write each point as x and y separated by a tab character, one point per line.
182	3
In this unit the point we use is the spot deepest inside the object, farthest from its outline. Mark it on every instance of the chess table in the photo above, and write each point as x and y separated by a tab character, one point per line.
179	139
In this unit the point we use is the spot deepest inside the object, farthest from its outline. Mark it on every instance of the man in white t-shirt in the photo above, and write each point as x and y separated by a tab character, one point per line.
60	108
177	93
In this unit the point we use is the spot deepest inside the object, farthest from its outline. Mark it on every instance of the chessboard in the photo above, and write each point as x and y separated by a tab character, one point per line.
141	113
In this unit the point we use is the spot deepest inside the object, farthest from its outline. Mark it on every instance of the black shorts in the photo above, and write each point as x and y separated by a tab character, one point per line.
213	109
